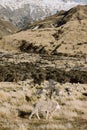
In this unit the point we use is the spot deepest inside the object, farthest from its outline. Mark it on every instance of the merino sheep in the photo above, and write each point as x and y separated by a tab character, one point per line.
49	107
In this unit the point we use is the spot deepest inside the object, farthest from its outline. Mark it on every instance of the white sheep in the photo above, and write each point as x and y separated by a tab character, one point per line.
49	107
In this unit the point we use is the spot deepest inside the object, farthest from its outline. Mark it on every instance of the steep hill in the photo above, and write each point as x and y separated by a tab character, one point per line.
77	13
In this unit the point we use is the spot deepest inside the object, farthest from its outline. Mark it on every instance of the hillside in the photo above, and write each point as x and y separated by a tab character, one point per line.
53	35
7	28
77	13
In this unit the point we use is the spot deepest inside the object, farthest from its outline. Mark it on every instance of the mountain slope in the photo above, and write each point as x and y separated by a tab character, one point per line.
68	38
77	13
7	28
22	12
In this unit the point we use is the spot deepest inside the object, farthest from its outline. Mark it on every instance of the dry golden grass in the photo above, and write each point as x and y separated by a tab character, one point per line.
4	96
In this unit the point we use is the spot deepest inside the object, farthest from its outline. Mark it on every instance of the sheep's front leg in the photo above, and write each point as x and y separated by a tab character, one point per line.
31	115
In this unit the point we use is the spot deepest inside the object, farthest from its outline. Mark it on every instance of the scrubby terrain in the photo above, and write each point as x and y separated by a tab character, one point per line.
47	59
